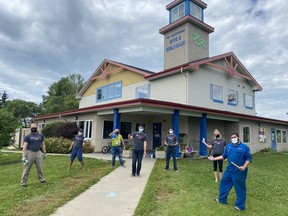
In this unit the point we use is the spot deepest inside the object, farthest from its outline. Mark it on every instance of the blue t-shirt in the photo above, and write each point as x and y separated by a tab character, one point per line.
34	141
238	154
78	142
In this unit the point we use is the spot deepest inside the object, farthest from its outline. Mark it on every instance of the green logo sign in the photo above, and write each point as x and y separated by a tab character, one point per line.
197	37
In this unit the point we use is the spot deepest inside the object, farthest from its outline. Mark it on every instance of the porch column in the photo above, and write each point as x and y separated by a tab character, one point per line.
175	125
116	122
203	134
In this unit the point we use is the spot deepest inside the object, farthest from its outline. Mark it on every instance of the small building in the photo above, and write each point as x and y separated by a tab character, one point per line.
194	93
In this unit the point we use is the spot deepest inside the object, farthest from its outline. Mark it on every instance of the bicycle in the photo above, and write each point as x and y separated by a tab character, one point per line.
107	148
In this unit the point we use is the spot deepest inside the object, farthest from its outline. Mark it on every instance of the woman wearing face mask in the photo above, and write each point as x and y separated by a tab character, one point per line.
77	145
239	157
171	141
117	146
217	147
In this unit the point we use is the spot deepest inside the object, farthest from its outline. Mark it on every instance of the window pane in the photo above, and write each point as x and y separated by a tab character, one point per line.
118	89
111	91
232	96
248	100
142	92
99	94
108	128
262	135
126	128
278	136
284	137
246	134
217	93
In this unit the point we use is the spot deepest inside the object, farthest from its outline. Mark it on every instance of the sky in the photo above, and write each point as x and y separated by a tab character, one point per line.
42	41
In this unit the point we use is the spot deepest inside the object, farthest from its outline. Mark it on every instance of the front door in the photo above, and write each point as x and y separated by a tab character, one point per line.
273	139
157	140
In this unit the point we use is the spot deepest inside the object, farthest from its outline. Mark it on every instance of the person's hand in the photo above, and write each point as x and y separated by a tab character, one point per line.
242	168
129	136
24	161
44	156
211	158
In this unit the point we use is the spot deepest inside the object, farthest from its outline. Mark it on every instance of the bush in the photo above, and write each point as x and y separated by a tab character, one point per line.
60	129
57	145
128	147
87	147
160	148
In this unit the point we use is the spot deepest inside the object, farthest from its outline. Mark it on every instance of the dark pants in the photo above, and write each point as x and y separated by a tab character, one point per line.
137	158
170	150
219	162
116	150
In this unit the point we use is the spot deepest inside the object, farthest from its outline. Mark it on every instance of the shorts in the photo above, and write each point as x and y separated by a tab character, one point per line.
78	153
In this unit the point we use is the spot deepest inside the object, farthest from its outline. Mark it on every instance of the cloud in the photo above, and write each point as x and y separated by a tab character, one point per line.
42	41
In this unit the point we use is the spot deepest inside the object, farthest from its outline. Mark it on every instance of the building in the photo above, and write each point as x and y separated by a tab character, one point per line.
194	93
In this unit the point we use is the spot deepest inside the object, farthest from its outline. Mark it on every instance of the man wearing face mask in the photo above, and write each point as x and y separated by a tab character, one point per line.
217	148
31	154
239	158
117	146
139	149
171	141
77	151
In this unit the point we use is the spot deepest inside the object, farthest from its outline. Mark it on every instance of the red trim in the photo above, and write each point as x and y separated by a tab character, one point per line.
164	104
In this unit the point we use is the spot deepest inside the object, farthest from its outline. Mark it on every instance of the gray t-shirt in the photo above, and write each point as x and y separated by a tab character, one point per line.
218	146
78	141
171	139
34	141
139	138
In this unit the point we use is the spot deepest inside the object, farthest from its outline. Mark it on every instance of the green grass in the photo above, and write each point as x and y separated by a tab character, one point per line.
44	199
191	191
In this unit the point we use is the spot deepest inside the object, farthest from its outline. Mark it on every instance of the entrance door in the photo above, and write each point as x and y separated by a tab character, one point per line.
157	141
273	139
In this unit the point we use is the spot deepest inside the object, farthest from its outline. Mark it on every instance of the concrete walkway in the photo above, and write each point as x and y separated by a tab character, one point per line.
115	194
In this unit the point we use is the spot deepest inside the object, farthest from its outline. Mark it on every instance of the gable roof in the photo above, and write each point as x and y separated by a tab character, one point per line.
103	71
232	64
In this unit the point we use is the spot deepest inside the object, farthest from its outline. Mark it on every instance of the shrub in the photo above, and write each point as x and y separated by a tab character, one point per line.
57	145
160	148
128	147
50	129
60	129
87	147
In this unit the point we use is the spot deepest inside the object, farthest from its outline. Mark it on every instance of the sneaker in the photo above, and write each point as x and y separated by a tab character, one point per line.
176	170
216	180
237	209
216	200
123	165
132	175
165	169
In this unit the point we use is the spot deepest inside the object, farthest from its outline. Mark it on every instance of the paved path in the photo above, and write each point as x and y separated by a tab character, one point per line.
115	194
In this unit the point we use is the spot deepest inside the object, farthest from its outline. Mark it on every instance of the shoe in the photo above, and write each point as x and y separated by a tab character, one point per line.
43	181
123	165
216	200
237	209
176	170
23	185
216	180
138	175
165	169
132	175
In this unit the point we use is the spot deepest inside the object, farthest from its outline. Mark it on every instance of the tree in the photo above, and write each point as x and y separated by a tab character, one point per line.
3	98
23	111
61	94
8	124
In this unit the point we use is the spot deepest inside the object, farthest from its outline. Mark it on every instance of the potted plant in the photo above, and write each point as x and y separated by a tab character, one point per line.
127	151
160	152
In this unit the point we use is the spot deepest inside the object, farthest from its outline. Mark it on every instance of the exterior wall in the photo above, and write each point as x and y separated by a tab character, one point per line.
199	89
171	89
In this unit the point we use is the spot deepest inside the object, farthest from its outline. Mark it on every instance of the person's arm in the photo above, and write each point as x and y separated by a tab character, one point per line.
122	141
43	147
165	142
110	135
242	168
176	143
216	158
71	146
203	141
24	150
130	136
145	145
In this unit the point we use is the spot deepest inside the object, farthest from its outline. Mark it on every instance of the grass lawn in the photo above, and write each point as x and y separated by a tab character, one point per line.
43	199
191	191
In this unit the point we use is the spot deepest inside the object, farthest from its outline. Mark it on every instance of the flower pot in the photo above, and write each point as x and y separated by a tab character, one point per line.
160	154
127	153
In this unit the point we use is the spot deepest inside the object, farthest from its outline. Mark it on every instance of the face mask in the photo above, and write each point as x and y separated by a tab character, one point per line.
33	130
141	129
79	133
171	132
234	140
217	136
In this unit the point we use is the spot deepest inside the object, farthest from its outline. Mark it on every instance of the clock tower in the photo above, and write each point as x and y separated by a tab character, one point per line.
186	38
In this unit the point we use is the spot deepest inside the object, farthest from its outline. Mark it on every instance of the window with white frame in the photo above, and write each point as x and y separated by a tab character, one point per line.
196	11
88	129
143	92
109	92
246	134
232	97
281	136
178	12
248	101
216	93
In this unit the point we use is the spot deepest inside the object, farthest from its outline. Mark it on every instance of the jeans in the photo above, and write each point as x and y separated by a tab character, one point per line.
117	150
137	157
169	150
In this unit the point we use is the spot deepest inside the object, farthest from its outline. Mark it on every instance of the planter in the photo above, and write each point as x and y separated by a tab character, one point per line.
160	154
127	153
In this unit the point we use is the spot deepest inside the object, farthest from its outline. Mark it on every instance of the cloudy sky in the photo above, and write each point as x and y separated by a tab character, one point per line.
42	41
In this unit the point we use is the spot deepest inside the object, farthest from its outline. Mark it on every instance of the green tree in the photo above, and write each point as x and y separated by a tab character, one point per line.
3	98
23	111
61	94
8	124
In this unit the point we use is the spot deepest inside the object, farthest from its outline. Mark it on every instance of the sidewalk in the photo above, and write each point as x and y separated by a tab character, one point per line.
115	194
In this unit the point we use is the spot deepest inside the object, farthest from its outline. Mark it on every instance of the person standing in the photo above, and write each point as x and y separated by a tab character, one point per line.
31	154
139	149
117	146
239	157
217	147
77	146
171	141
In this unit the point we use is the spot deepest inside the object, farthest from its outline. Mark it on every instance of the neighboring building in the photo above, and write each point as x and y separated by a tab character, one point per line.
194	93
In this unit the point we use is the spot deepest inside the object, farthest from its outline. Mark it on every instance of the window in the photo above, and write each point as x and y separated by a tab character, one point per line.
216	93
246	134
41	126
88	129
143	92
281	136
196	11
108	128
126	128
262	135
232	97
109	92
248	101
178	12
